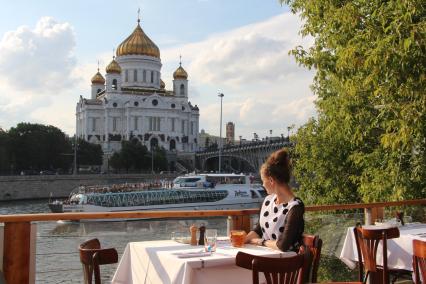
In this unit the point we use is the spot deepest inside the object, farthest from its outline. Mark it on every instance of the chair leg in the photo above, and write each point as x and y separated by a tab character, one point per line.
366	277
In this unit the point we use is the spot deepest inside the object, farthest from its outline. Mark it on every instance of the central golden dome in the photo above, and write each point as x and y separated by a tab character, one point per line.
138	43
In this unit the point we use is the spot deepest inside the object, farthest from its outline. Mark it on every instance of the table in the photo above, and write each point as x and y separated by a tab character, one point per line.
400	250
157	262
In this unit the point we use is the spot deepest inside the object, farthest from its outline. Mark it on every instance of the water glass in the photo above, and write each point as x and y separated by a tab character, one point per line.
210	240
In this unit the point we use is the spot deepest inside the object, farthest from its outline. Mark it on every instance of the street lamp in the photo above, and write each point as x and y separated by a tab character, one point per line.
220	132
288	132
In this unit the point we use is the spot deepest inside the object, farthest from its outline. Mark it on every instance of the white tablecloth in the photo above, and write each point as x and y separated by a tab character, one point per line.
157	262
400	250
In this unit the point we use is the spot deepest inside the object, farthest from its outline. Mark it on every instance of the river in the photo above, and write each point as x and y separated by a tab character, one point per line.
57	257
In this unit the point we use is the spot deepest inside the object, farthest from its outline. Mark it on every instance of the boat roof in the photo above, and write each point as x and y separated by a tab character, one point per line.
214	175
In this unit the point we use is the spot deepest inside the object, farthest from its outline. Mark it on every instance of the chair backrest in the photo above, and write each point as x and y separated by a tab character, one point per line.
419	260
91	256
276	270
314	244
367	242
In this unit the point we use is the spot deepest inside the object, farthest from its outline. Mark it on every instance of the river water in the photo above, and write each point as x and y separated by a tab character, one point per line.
57	257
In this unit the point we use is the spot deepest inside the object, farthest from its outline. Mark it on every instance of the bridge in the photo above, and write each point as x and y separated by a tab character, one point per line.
246	157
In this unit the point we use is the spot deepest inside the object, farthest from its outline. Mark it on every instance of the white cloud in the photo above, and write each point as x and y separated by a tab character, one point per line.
263	85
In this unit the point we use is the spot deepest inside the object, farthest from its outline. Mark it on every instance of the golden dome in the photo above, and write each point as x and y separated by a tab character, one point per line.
98	79
162	84
113	67
138	43
180	73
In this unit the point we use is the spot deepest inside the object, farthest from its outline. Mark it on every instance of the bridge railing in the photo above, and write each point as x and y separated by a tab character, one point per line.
17	228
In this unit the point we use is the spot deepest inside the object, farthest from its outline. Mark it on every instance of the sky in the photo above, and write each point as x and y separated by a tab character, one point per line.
49	51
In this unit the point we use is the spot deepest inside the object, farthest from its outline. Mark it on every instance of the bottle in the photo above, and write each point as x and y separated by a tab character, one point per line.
202	233
193	230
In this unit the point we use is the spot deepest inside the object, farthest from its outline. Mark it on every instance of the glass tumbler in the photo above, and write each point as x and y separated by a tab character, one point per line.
210	240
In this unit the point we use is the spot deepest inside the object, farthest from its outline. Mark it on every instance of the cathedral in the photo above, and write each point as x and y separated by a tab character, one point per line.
131	102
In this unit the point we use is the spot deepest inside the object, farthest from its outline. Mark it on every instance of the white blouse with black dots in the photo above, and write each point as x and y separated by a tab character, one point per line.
273	216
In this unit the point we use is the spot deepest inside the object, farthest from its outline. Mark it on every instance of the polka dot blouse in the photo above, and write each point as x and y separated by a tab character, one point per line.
281	222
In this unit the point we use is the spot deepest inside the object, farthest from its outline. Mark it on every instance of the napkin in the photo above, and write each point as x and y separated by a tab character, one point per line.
192	254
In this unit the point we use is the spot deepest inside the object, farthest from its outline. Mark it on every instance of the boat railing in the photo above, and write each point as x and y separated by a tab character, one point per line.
19	228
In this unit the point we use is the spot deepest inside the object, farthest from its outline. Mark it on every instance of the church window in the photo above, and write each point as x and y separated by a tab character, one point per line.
114	104
114	123
154	102
136	123
144	75
126	75
98	91
182	89
173	123
192	128
114	84
183	126
173	105
135	75
136	104
152	76
93	124
154	123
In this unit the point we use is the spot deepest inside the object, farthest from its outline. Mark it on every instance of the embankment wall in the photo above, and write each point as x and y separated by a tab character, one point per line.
38	187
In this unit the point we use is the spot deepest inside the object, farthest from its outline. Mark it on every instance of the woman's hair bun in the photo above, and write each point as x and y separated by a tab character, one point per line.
278	166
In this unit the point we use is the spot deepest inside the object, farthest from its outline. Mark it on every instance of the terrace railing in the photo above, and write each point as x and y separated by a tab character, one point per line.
18	234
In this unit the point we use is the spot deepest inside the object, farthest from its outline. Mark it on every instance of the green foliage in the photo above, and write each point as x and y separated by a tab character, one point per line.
38	147
89	153
135	156
369	140
4	153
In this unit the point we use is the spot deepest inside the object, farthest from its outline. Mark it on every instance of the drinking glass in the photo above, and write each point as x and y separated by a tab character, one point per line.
210	240
238	238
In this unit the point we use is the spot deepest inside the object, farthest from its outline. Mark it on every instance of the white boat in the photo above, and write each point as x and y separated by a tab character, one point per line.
189	192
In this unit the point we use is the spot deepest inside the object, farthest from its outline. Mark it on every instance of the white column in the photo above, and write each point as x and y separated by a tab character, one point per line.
106	125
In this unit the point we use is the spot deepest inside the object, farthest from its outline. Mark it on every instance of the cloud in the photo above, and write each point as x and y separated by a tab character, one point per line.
263	85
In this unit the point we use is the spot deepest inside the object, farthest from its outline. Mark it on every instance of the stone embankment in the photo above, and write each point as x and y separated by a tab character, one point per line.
59	186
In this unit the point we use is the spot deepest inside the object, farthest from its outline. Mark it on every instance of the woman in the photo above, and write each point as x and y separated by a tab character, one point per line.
281	221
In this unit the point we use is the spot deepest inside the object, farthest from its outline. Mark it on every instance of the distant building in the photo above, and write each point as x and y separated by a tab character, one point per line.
230	133
132	102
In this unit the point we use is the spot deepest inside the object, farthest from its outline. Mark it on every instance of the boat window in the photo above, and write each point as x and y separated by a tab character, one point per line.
226	179
253	194
262	193
159	197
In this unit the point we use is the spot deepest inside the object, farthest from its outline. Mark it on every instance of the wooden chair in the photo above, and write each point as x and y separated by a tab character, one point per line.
314	244
287	270
367	242
419	261
91	256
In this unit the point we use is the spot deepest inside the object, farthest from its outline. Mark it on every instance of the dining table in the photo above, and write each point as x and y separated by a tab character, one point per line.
168	261
399	250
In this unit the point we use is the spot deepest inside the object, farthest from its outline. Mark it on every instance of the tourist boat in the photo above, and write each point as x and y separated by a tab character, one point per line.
189	192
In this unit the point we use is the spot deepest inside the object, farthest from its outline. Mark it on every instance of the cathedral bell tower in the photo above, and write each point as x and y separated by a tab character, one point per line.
180	82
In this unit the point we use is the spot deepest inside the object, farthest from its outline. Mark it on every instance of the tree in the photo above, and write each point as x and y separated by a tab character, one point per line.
89	153
133	155
369	140
38	147
4	152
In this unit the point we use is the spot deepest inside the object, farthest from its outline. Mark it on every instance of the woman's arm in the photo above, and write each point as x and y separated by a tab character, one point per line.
254	236
293	229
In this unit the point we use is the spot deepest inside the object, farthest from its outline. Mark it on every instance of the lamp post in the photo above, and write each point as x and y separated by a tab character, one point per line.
220	132
288	132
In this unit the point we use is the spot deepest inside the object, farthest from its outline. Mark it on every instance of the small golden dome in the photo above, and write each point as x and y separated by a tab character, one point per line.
98	79
180	73
138	43
162	84
113	67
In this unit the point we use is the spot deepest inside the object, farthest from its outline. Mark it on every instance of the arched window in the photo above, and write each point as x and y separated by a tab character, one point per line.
98	91
182	90
114	84
154	143
152	76
135	75
144	75
172	144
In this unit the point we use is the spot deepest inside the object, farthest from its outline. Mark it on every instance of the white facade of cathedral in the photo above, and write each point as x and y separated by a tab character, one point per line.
132	102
